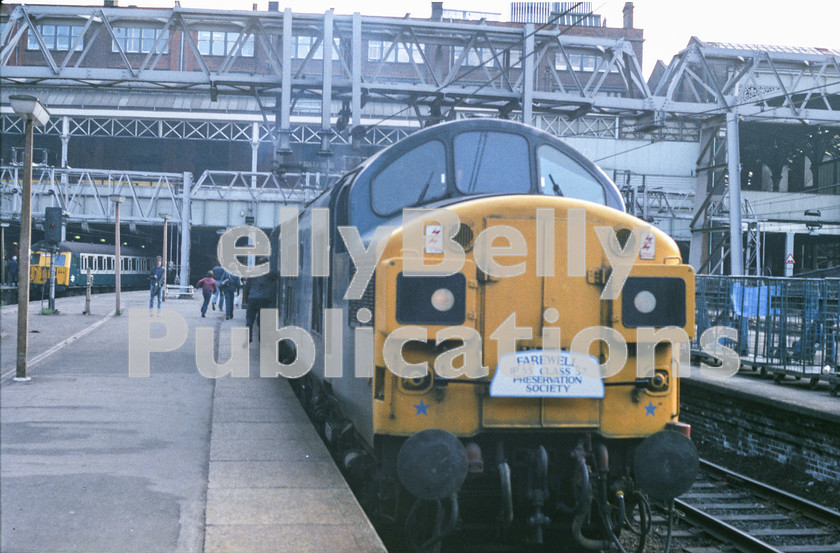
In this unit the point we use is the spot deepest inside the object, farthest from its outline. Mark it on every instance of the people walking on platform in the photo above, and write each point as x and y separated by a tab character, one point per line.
13	270
257	294
229	286
218	273
156	284
208	288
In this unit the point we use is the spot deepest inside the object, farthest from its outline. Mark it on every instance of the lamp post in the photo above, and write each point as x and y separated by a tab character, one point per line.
117	199
33	113
165	251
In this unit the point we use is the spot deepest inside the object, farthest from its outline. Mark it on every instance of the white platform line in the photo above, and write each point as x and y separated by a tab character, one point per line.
66	342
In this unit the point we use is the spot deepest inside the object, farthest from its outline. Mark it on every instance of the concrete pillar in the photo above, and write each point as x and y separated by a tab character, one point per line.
733	154
185	233
789	253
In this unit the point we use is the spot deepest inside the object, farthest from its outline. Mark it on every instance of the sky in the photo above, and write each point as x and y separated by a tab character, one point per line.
668	24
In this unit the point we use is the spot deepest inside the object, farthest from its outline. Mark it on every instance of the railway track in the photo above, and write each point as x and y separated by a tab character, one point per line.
745	515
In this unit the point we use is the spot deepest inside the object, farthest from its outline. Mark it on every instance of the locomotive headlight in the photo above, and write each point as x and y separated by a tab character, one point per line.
644	302
443	299
433	300
653	302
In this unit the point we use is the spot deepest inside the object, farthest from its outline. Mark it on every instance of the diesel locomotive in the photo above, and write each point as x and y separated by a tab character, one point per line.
500	339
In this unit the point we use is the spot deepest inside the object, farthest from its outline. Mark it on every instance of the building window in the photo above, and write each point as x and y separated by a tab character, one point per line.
475	56
578	62
57	37
221	43
380	50
409	53
139	40
302	45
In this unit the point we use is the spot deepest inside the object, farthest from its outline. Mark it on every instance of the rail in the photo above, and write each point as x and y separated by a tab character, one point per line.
754	516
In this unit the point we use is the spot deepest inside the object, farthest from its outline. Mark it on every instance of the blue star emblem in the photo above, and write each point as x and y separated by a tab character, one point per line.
421	409
650	409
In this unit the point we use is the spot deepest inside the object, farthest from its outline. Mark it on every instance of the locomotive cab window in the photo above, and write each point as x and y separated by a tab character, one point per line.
492	162
415	178
561	175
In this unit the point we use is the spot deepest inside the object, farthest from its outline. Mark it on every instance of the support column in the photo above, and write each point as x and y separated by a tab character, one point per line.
185	233
286	86
528	76
698	251
733	155
326	88
789	253
65	181
65	140
356	70
255	150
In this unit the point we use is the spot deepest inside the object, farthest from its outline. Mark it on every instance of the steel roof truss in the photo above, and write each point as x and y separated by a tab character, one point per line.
157	46
40	40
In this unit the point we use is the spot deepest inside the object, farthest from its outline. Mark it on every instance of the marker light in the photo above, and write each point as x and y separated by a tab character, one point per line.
645	302
443	299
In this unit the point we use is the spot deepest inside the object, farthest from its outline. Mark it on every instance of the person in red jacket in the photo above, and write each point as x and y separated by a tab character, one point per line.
208	287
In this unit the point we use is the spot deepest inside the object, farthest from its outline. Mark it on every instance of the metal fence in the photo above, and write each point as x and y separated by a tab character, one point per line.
785	326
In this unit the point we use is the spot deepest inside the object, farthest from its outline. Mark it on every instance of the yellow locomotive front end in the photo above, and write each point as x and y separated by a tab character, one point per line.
539	327
40	267
509	301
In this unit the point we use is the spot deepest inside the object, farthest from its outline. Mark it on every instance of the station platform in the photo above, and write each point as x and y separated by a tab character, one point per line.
94	460
796	395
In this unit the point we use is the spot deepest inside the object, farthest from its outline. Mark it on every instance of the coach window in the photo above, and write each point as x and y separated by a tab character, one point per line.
561	175
416	178
492	162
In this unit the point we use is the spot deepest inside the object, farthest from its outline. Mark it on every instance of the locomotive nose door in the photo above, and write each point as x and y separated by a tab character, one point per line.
555	301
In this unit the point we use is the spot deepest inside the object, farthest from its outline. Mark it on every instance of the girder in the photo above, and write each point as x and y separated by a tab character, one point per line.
216	196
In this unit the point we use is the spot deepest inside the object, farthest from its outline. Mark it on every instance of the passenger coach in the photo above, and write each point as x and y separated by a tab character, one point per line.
74	259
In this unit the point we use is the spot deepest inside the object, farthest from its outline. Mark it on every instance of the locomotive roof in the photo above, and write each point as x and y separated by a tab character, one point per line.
362	196
85	247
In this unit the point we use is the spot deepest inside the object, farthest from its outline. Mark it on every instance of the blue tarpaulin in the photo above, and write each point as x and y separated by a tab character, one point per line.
753	301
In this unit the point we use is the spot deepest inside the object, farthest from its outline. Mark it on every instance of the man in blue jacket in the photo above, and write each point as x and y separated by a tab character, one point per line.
156	284
229	285
218	274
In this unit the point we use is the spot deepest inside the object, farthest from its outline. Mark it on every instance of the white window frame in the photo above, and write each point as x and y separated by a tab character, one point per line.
139	40
51	39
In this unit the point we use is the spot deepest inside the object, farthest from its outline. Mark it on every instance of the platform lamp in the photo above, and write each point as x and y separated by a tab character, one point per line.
165	217
33	113
117	199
